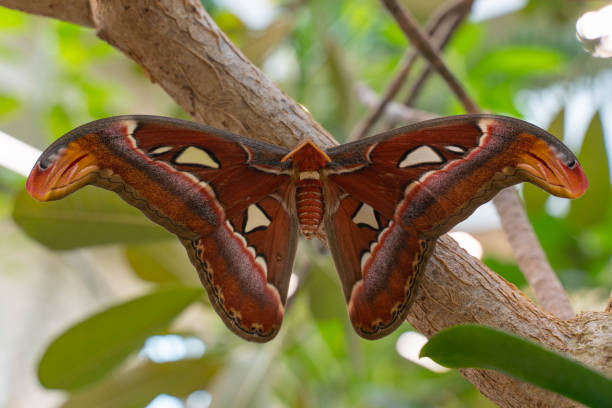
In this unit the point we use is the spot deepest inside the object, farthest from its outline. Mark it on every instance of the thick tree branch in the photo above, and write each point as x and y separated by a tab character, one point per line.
529	253
181	48
198	66
457	288
72	11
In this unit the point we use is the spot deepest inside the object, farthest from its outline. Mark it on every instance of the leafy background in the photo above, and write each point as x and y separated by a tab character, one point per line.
87	280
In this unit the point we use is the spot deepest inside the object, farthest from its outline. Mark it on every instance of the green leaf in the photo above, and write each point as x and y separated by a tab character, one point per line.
593	206
324	293
8	104
484	347
58	121
88	217
161	262
507	270
12	20
535	198
137	386
90	349
258	44
467	38
517	61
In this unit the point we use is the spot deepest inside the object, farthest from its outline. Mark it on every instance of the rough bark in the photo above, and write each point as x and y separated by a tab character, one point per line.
182	49
206	74
72	11
457	288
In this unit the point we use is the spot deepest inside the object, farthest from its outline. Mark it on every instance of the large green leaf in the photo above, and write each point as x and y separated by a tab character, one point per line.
90	349
515	61
484	347
88	217
594	205
161	262
535	197
324	292
137	386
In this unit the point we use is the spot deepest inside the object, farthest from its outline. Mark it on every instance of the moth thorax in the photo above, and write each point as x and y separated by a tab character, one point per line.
309	206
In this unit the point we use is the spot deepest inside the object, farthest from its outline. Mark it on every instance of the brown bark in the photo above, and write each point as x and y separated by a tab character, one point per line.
194	61
72	11
457	288
182	49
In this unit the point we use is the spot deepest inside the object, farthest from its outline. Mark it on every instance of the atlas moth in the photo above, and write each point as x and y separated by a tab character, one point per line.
238	205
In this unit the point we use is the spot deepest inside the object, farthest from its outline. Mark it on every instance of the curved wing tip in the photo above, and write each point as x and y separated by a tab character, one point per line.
36	184
255	337
578	182
30	183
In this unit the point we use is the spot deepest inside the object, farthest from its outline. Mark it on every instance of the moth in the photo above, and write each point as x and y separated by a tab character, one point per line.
237	204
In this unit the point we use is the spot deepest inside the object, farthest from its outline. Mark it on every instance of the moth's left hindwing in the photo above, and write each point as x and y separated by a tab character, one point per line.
220	193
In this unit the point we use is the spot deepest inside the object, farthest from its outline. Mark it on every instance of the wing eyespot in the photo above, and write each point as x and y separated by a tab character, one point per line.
420	156
159	150
196	156
255	219
366	216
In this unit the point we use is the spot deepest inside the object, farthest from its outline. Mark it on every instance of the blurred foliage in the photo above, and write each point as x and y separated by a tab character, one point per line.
94	347
78	215
56	76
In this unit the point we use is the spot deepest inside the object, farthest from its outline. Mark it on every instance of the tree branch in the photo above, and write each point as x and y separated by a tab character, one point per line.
191	58
72	11
456	288
530	256
420	40
203	71
433	28
447	35
393	111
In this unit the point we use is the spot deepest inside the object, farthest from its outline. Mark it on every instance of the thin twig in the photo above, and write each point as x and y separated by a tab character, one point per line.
393	112
433	26
394	86
419	38
450	30
530	256
446	32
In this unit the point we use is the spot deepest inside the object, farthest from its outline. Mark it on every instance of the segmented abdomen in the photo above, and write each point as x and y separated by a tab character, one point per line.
309	205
